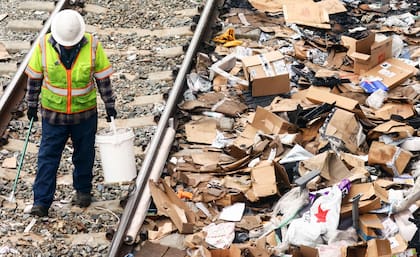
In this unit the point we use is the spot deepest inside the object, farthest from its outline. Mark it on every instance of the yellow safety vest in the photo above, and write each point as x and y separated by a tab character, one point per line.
69	90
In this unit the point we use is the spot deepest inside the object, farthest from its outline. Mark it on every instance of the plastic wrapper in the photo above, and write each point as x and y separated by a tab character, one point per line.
376	99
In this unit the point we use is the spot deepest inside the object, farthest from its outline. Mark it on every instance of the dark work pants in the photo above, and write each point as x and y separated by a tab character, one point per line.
54	138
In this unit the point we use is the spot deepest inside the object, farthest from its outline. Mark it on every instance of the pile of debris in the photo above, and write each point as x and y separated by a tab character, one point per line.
299	135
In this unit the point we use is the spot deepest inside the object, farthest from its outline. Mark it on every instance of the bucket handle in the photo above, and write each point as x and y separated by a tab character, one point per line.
113	126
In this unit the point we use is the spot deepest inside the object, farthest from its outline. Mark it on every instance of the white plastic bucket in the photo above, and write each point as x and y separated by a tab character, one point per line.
116	148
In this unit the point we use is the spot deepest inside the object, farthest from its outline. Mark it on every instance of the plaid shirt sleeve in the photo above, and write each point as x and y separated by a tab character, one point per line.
33	91
107	94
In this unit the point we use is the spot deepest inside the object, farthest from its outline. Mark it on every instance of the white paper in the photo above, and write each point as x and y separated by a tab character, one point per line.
221	235
233	212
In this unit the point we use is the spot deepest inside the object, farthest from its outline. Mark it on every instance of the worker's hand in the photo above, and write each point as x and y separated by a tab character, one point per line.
32	113
110	112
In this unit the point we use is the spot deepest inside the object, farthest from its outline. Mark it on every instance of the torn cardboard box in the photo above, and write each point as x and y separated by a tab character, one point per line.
168	204
342	128
269	178
267	74
368	54
392	159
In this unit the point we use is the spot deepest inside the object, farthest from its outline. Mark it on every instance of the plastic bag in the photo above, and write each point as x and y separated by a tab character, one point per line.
376	99
321	220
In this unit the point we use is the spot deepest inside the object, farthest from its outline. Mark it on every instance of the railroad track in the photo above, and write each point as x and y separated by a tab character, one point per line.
150	61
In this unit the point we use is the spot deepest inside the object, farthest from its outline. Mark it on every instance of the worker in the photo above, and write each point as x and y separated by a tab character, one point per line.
62	72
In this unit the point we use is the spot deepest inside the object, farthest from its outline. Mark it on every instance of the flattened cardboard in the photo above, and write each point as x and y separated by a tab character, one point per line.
398	244
392	159
392	72
397	130
266	73
318	95
308	14
364	207
404	110
201	131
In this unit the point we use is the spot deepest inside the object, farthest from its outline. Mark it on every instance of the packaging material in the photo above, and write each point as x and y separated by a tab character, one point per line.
269	178
396	130
321	219
265	122
232	251
220	235
391	71
318	95
369	224
393	159
379	52
309	14
376	99
342	129
267	74
332	168
168	204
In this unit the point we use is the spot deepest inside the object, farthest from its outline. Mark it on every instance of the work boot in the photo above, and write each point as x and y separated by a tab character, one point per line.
83	200
39	211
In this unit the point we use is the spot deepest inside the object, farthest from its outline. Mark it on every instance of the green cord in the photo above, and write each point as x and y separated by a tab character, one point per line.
22	155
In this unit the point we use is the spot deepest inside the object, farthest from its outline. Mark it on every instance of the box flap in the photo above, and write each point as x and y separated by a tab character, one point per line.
256	59
321	96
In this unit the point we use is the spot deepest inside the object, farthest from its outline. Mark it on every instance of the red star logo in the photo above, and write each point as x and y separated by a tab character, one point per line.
321	215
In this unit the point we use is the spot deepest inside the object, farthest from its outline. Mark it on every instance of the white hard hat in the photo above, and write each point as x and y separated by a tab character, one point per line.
67	27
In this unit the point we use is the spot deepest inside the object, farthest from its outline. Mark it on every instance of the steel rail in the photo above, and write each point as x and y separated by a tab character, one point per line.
15	91
148	163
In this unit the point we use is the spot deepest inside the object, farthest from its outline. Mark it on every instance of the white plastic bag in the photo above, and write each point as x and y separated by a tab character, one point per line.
321	220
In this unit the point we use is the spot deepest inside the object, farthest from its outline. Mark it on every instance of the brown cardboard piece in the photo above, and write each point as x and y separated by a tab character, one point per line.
404	110
308	14
168	204
318	95
368	224
265	121
233	251
266	73
392	72
268	178
392	159
331	167
378	248
343	125
397	130
201	131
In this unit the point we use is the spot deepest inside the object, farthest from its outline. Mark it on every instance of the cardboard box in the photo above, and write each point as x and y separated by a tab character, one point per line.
267	74
318	95
369	224
379	52
367	52
373	248
393	159
392	72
